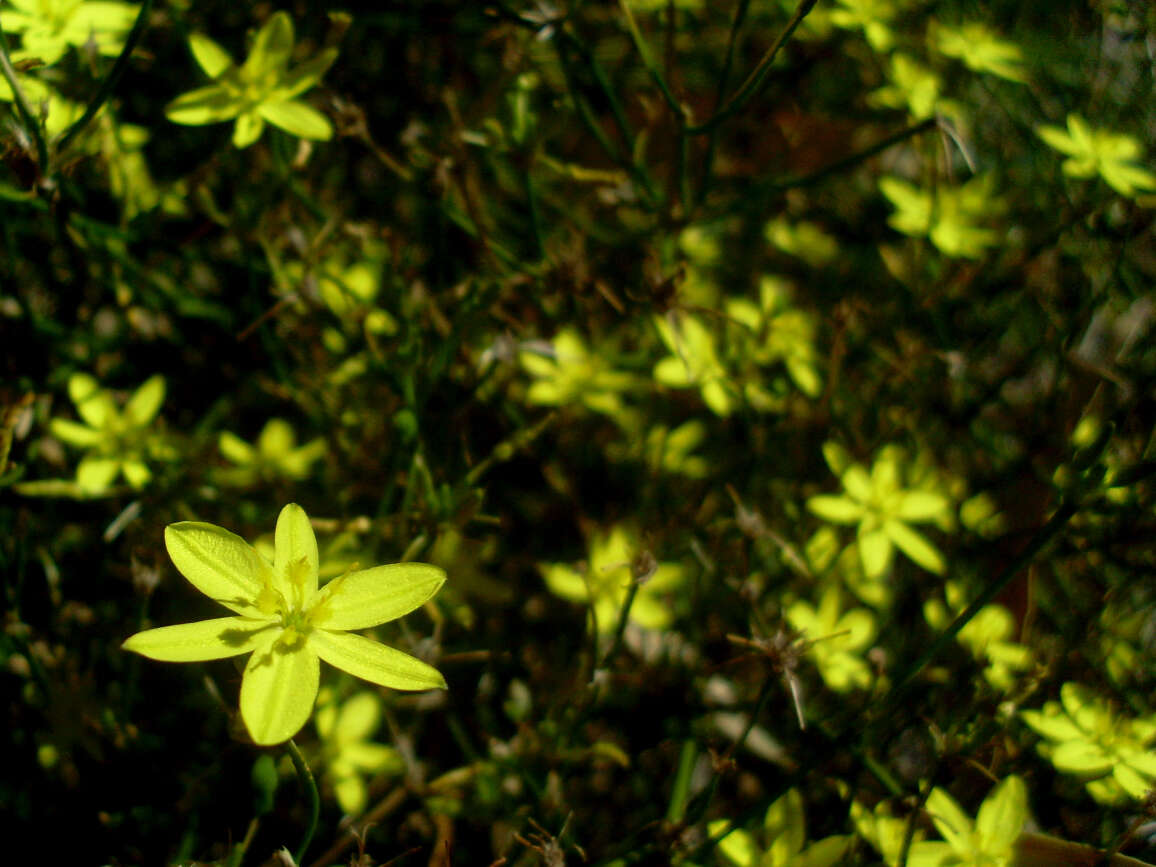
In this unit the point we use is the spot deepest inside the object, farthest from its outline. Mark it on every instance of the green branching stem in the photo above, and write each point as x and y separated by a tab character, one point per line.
563	45
755	80
754	196
600	78
720	90
110	81
310	786
853	159
1045	535
27	118
648	61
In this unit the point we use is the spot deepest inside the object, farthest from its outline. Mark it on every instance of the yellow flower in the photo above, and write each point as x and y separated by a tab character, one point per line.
117	441
569	373
348	754
784	839
836	639
286	622
1112	753
262	89
883	509
274	455
989	841
616	561
780	333
48	27
1092	152
694	362
980	49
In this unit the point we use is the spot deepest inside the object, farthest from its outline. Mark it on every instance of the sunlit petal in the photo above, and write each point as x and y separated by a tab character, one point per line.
377	595
220	564
199	641
278	690
374	662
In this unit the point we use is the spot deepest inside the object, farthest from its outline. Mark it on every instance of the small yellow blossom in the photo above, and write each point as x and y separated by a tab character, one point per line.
616	561
286	622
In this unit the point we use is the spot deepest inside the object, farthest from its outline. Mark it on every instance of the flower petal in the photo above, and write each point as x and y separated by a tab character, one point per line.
297	118
376	595
137	473
352	795
373	758
920	505
196	642
950	820
835	508
236	449
94	404
96	474
295	560
875	551
647	611
358	718
1001	816
278	690
75	433
211	104
271	48
374	662
249	127
210	56
145	402
565	581
1052	723
915	546
306	74
1082	757
931	853
220	564
1131	781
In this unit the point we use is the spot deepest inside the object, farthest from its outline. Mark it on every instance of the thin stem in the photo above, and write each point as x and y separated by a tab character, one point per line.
1045	535
110	81
310	786
753	196
724	78
855	158
26	117
755	79
620	627
586	113
599	74
647	60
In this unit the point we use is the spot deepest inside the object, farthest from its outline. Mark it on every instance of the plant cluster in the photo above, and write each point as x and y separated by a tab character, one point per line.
691	433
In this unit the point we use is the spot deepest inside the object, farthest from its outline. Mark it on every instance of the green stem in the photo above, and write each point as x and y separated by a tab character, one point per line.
1045	535
620	627
625	160
680	792
310	787
110	81
720	89
755	80
854	159
648	61
22	108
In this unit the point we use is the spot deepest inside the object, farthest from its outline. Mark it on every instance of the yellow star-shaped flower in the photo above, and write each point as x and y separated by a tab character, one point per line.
287	622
